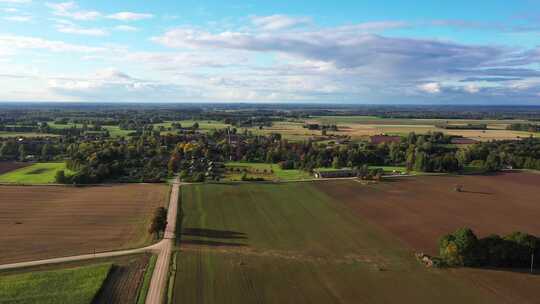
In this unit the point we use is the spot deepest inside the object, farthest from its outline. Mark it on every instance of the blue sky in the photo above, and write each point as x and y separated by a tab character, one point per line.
436	52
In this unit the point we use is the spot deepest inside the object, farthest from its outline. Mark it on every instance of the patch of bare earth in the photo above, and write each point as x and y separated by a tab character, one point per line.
41	222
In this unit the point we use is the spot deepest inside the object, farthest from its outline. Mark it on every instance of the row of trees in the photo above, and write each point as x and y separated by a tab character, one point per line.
464	248
524	127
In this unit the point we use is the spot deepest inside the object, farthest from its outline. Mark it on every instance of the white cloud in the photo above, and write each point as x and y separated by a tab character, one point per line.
25	42
18	18
129	16
471	88
71	10
10	10
72	29
430	87
126	28
279	22
16	1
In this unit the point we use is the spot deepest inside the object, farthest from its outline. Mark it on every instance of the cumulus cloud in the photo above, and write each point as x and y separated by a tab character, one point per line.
76	30
18	18
25	42
16	1
430	87
471	88
129	16
279	22
71	10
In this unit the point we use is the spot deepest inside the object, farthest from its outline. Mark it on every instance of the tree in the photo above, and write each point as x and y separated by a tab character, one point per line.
60	177
159	221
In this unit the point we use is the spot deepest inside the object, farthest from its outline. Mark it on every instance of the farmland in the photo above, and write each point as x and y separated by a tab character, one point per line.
420	210
123	283
362	126
41	222
38	173
6	166
292	243
75	285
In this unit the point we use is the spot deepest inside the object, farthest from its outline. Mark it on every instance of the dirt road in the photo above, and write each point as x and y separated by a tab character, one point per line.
162	248
161	271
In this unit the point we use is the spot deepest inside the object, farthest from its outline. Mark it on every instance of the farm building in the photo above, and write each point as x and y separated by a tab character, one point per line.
335	173
384	139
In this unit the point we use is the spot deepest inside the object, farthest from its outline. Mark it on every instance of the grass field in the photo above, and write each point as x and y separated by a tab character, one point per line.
41	222
273	172
38	173
114	131
74	286
24	134
292	243
362	126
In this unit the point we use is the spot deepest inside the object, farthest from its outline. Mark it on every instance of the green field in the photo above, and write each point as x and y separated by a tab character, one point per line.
73	286
290	243
24	134
39	173
273	171
114	131
204	125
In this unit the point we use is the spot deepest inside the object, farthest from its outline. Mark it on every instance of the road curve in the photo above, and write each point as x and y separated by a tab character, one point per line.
162	248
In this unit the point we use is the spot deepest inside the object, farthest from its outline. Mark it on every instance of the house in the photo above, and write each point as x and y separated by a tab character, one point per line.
335	173
384	139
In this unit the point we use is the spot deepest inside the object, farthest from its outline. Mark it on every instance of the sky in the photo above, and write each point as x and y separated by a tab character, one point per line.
318	51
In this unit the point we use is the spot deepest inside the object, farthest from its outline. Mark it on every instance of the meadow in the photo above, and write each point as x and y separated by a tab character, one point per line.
264	170
38	173
292	243
75	285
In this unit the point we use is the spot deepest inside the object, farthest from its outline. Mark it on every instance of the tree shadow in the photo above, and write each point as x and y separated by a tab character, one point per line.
212	243
212	233
476	192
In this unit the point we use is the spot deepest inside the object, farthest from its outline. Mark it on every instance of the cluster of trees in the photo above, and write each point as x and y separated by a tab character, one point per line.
37	149
524	127
464	248
496	155
312	126
138	159
463	127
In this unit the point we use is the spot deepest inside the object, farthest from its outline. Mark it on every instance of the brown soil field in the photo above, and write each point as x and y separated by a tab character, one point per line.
420	210
5	167
123	282
40	222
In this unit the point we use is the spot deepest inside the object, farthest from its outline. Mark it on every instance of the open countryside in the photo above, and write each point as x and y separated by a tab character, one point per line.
42	222
269	152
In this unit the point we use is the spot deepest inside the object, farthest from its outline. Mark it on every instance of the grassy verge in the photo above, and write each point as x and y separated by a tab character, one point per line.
39	173
172	278
75	285
146	281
